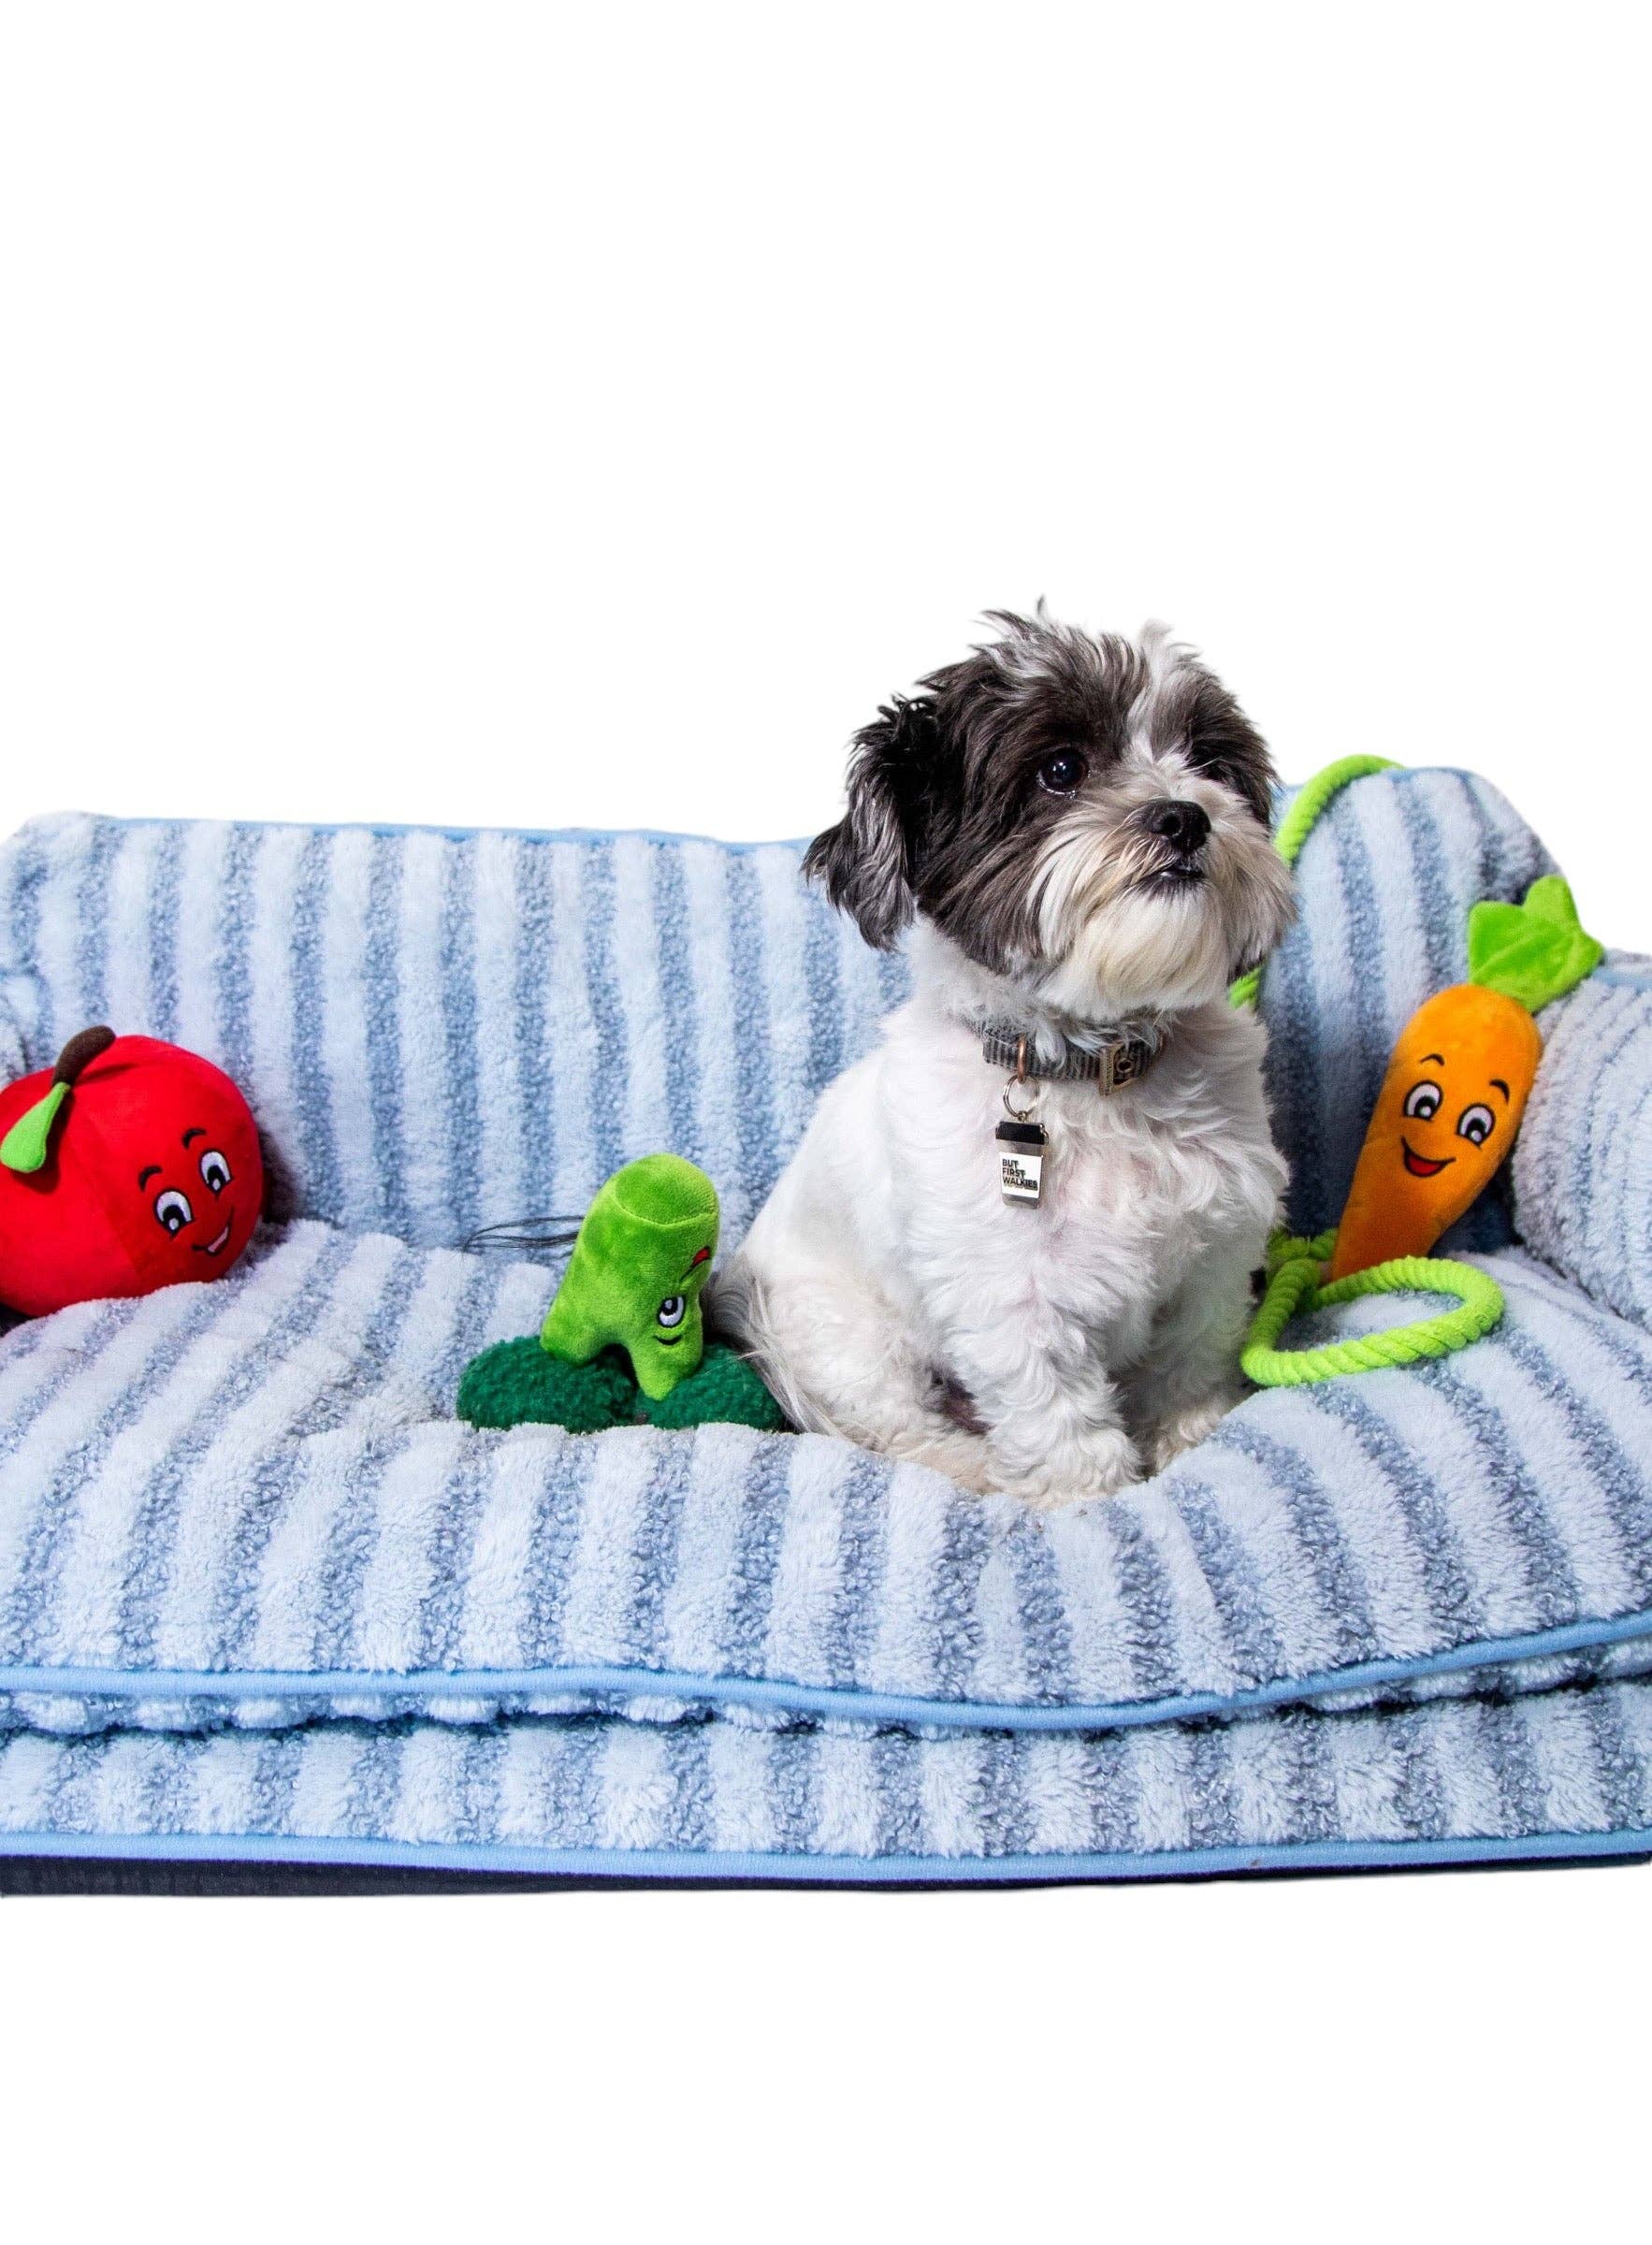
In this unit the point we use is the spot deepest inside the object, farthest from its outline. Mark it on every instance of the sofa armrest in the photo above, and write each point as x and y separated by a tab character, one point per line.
1582	1169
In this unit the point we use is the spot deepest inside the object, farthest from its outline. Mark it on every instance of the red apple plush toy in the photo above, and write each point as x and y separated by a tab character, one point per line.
130	1166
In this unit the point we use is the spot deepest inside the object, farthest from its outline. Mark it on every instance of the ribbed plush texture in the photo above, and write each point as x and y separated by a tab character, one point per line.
1583	1161
13	1061
263	1477
439	1031
1565	1775
241	1521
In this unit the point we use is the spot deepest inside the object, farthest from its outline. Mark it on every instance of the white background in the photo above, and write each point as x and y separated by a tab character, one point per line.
581	416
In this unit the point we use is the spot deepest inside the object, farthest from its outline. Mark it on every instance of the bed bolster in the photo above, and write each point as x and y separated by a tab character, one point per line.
1582	1162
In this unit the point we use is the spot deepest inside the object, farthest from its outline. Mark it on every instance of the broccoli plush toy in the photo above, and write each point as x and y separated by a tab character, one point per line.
624	1341
643	1255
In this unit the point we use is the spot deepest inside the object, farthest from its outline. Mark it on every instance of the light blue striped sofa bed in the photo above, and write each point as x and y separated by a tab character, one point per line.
263	1601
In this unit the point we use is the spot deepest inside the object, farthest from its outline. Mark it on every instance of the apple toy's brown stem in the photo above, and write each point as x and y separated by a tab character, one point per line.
83	1048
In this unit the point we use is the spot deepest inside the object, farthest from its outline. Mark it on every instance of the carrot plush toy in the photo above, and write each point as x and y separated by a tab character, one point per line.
1443	1125
1457	1086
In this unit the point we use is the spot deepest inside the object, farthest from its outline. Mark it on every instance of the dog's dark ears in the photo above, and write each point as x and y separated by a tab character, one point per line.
1222	741
864	862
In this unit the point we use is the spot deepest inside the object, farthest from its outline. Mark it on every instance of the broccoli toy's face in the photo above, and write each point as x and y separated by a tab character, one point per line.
638	1269
668	1335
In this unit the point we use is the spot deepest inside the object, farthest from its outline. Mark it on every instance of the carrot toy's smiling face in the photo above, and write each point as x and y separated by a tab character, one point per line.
1441	1128
1445	1117
1457	1086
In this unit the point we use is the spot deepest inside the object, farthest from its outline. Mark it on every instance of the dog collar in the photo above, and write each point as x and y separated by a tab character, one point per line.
1110	1065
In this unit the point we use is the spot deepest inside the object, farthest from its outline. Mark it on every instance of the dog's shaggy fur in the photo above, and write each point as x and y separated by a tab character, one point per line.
1076	827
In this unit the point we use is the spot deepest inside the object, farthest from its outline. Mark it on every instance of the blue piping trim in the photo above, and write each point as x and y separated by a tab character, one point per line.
827	1869
797	1699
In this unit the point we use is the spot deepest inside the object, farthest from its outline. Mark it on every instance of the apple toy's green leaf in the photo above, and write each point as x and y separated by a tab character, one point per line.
27	1143
1533	952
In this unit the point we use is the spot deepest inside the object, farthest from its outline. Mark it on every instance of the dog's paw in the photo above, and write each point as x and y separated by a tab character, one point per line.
1186	1429
1109	1462
963	1458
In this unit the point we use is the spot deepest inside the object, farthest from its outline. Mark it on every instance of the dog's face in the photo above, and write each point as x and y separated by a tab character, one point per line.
1085	814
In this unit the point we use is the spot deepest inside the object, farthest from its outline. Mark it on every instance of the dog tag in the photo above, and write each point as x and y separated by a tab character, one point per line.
1020	1159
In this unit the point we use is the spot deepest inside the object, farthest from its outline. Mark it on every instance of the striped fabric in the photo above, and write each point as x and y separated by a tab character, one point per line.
259	1592
1583	1161
437	1031
1568	1775
249	1502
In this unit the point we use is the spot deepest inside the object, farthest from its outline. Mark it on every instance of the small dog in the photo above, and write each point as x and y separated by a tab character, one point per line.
1048	1299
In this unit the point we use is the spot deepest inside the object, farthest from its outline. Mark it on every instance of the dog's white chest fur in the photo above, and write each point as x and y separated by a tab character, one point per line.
927	1106
887	1279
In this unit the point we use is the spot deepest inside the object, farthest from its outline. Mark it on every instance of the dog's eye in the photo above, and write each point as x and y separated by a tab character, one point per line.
1423	1100
1060	774
1476	1125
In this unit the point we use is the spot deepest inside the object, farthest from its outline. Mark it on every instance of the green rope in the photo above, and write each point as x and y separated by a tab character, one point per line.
1298	823
1282	1248
1294	1269
1294	1266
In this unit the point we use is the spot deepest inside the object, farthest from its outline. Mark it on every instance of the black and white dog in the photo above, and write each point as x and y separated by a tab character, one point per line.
1016	1242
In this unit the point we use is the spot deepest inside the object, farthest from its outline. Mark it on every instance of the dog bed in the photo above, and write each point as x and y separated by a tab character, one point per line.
263	1599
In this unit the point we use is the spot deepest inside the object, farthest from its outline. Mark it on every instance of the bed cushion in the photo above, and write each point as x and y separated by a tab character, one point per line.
1582	1170
1565	1776
250	1503
262	1598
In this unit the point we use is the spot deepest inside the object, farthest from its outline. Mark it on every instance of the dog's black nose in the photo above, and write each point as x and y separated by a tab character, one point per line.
1183	825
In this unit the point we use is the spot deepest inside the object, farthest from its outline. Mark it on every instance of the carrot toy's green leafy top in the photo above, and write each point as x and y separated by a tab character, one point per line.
1533	952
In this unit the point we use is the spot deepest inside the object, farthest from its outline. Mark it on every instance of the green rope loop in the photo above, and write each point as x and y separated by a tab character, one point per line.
1294	1266
1294	1269
1298	823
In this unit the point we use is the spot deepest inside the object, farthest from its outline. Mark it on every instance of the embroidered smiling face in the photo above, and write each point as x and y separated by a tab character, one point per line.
191	1199
1456	1103
1424	1103
179	1171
